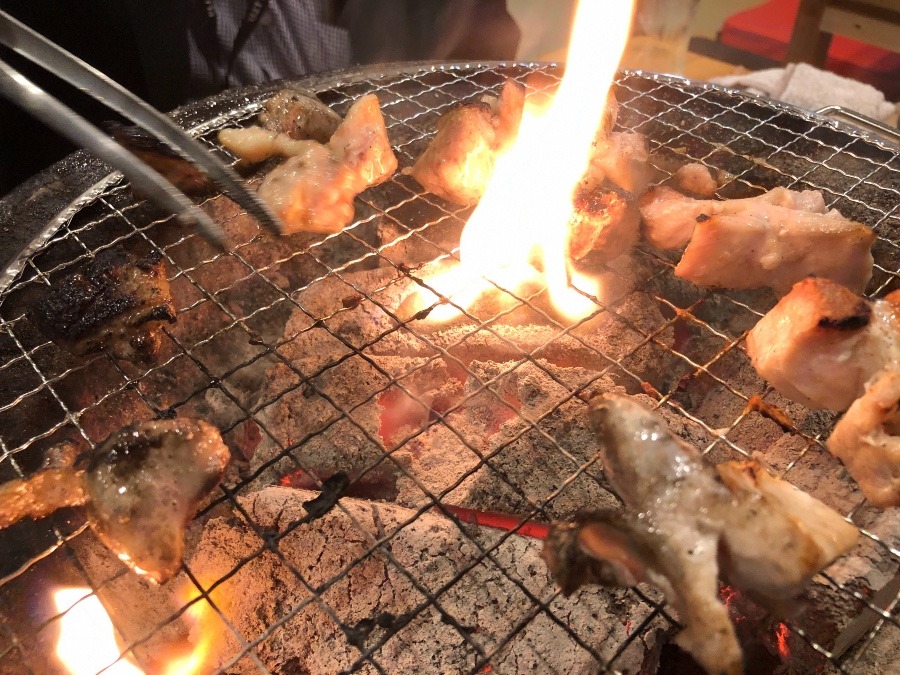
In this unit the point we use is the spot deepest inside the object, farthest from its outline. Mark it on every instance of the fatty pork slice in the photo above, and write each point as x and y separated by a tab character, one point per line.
774	247
867	439
313	191
670	217
821	343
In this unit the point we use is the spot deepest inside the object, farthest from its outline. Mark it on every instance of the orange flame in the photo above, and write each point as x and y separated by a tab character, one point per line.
524	213
206	624
87	638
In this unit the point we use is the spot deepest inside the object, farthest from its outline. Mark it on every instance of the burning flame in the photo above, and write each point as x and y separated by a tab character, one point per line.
206	624
524	213
87	638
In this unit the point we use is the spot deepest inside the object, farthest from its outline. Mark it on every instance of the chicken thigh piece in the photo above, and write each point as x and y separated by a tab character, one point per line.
313	190
682	522
867	439
821	343
459	162
776	247
141	487
669	216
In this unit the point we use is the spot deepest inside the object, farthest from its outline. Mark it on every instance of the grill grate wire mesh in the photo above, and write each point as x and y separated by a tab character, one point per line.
761	144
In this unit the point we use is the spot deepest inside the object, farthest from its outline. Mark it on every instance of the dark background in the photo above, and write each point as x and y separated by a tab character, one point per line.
142	44
101	33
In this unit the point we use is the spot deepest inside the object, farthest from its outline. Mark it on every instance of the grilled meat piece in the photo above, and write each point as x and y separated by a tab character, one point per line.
300	116
619	157
867	439
141	487
777	247
254	144
681	522
458	163
670	217
662	477
164	160
776	537
314	190
821	343
604	226
117	302
774	239
41	494
696	178
145	483
289	120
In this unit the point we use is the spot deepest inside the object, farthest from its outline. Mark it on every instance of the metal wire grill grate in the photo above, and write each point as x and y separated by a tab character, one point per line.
296	349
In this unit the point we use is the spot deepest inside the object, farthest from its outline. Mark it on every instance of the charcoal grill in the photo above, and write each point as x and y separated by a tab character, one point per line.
244	351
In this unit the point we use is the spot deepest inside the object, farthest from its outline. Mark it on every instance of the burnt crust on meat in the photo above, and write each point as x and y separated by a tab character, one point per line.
842	309
117	301
855	320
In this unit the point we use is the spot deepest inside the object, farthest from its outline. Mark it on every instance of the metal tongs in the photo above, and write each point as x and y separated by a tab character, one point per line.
24	93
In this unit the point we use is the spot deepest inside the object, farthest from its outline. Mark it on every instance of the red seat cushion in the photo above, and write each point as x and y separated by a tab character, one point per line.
766	30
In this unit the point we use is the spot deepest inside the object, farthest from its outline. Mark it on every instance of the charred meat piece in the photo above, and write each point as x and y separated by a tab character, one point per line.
604	226
144	484
821	343
776	247
867	439
141	487
117	302
669	216
459	161
681	523
299	116
314	190
164	160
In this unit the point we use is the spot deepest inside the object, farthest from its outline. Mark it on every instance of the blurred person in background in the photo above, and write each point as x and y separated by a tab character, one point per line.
170	52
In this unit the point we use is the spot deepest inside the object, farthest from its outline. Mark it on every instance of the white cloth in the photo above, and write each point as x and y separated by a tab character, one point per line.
808	87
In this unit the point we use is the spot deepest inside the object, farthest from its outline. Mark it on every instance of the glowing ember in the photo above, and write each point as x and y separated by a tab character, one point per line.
87	639
522	217
781	635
